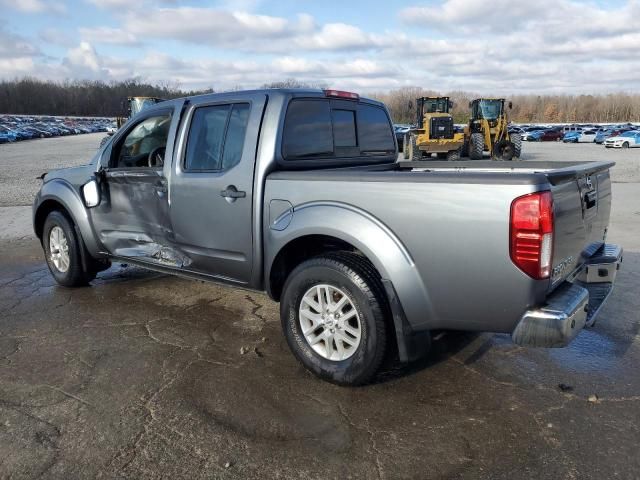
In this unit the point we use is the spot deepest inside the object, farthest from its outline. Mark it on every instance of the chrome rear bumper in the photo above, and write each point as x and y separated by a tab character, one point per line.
573	305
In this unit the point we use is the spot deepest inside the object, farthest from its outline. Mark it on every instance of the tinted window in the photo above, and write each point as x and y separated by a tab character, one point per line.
307	129
206	135
216	137
344	128
374	131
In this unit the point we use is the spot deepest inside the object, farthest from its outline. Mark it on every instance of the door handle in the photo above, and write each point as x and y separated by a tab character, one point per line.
232	193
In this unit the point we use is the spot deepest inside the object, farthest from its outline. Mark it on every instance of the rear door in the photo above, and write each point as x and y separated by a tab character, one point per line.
211	190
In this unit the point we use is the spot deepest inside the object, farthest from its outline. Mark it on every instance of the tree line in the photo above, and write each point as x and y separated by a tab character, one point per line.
528	108
32	96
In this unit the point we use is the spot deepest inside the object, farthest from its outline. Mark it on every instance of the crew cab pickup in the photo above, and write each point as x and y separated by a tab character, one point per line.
299	193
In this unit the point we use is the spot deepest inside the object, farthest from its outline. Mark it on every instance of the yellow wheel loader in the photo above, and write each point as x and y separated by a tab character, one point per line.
434	132
488	131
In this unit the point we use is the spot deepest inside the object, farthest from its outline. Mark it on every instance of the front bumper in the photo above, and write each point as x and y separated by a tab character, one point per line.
573	305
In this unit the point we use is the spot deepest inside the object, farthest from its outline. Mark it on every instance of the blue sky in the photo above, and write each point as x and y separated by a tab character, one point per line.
501	46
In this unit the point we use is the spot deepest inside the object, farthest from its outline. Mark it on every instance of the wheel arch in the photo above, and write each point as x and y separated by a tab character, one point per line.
60	195
317	227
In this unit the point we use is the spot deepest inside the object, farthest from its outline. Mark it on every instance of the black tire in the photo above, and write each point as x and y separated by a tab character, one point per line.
625	145
503	150
415	154
476	146
516	139
74	276
464	150
454	155
354	275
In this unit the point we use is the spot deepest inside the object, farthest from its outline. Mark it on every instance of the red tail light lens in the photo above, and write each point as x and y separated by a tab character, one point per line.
341	94
532	234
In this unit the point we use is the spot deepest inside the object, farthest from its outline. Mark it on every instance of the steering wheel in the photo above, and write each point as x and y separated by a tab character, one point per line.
156	157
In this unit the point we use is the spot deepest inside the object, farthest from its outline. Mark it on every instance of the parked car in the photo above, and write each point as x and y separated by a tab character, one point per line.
551	135
299	195
587	136
630	139
532	135
400	132
571	136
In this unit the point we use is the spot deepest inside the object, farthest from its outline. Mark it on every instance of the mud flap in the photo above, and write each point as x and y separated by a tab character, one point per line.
411	344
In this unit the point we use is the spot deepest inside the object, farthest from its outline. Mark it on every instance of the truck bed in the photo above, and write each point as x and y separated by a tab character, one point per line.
453	220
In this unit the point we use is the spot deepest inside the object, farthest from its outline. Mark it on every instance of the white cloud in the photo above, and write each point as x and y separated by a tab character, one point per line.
34	6
543	46
109	35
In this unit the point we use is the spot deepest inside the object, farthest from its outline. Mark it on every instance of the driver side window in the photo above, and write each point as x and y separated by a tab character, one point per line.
144	145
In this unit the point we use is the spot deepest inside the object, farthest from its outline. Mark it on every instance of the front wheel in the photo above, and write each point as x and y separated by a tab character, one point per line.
476	146
625	145
333	311
62	251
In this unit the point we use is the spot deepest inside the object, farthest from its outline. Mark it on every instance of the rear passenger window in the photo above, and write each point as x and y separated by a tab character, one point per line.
216	137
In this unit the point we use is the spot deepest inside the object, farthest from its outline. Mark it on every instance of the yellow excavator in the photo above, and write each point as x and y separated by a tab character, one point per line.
434	132
487	130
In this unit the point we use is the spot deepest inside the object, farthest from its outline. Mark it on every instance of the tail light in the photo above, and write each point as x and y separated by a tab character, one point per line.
531	234
341	94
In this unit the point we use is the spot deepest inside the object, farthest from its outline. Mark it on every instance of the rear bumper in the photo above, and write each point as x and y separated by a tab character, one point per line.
573	305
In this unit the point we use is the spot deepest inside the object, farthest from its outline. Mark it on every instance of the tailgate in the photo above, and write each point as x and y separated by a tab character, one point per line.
582	203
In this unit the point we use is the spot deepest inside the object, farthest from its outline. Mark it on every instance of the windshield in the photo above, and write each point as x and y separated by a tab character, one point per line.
490	109
436	105
628	134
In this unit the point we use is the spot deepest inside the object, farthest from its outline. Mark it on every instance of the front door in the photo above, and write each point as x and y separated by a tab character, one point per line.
132	219
211	192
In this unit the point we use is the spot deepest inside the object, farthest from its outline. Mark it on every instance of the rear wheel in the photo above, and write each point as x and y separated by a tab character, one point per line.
333	311
62	251
476	146
517	144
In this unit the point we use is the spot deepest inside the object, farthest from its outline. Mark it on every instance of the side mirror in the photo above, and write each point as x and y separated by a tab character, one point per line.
510	105
410	105
91	193
470	104
451	104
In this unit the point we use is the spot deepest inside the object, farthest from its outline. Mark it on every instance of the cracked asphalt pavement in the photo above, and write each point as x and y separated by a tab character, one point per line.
141	375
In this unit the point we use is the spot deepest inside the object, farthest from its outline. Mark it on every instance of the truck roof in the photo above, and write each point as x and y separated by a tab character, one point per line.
297	92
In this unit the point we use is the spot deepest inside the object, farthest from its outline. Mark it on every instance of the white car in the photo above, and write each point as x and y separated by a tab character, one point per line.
629	139
588	136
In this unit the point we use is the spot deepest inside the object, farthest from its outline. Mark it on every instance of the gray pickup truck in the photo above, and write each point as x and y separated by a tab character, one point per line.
299	193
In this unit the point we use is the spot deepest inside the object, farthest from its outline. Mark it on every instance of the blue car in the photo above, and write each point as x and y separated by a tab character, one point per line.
571	137
8	135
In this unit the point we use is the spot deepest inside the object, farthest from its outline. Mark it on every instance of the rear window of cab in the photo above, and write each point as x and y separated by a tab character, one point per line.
326	128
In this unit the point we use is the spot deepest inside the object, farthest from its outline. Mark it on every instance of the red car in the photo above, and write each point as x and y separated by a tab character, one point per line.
552	135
